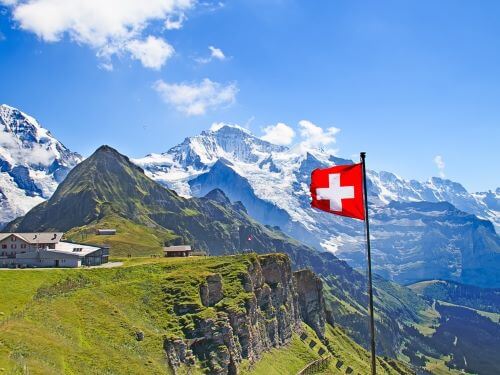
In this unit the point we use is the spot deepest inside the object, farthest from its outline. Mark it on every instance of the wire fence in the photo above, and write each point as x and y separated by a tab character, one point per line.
317	365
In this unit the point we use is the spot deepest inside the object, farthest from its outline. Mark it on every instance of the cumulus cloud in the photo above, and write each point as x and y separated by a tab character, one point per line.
195	99
439	161
215	53
110	26
216	126
279	134
152	52
310	136
314	136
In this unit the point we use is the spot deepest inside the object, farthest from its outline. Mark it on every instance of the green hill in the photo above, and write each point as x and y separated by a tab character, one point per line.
120	320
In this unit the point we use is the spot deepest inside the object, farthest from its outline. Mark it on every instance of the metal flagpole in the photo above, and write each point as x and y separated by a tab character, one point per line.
369	261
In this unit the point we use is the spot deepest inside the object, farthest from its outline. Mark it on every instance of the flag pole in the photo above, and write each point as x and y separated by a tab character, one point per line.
369	261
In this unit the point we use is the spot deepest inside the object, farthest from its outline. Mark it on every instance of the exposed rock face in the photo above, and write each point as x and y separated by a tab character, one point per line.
277	302
311	301
211	292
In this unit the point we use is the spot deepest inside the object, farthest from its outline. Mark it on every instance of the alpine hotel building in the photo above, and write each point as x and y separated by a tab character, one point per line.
47	250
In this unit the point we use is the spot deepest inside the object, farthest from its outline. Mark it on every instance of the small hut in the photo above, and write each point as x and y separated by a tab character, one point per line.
177	251
106	232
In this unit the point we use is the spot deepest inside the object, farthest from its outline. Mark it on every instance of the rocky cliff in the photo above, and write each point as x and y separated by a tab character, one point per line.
276	302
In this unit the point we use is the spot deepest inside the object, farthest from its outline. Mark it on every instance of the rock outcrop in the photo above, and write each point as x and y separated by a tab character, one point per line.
212	291
277	302
309	288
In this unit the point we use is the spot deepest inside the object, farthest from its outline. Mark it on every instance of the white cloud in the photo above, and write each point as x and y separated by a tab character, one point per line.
109	26
175	22
37	154
106	65
279	134
215	53
196	98
152	52
314	136
438	160
216	126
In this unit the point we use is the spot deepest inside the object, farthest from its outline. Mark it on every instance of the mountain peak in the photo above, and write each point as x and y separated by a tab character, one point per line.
218	196
105	149
106	154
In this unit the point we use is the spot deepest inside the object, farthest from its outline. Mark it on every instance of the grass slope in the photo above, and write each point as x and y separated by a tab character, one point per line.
78	321
84	320
131	238
343	351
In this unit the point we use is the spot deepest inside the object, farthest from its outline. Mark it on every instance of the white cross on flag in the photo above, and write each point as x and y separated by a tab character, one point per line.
339	190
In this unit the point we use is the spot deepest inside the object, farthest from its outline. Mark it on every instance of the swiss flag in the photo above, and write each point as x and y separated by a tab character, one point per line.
339	190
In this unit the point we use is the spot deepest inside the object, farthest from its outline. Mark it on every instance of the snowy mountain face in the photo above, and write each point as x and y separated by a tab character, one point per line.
32	163
273	184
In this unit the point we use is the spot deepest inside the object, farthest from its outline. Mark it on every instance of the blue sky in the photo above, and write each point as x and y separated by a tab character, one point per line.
405	81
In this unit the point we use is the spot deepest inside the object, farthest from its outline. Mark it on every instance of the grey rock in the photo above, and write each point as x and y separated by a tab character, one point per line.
212	291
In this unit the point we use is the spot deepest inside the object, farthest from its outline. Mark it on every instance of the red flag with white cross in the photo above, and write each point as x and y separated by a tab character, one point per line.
339	190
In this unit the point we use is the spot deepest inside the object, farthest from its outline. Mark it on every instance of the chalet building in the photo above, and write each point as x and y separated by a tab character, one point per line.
47	250
177	251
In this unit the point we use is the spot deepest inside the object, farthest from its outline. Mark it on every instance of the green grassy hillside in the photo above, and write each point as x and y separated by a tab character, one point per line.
131	237
75	321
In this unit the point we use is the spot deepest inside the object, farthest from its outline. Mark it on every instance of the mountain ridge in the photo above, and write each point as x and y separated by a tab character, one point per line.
273	183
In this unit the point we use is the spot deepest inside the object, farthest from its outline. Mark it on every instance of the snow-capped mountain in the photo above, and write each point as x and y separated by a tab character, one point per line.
270	169
32	163
273	183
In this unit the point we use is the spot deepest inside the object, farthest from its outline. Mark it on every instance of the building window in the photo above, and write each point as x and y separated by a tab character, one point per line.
13	238
23	246
4	246
13	246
